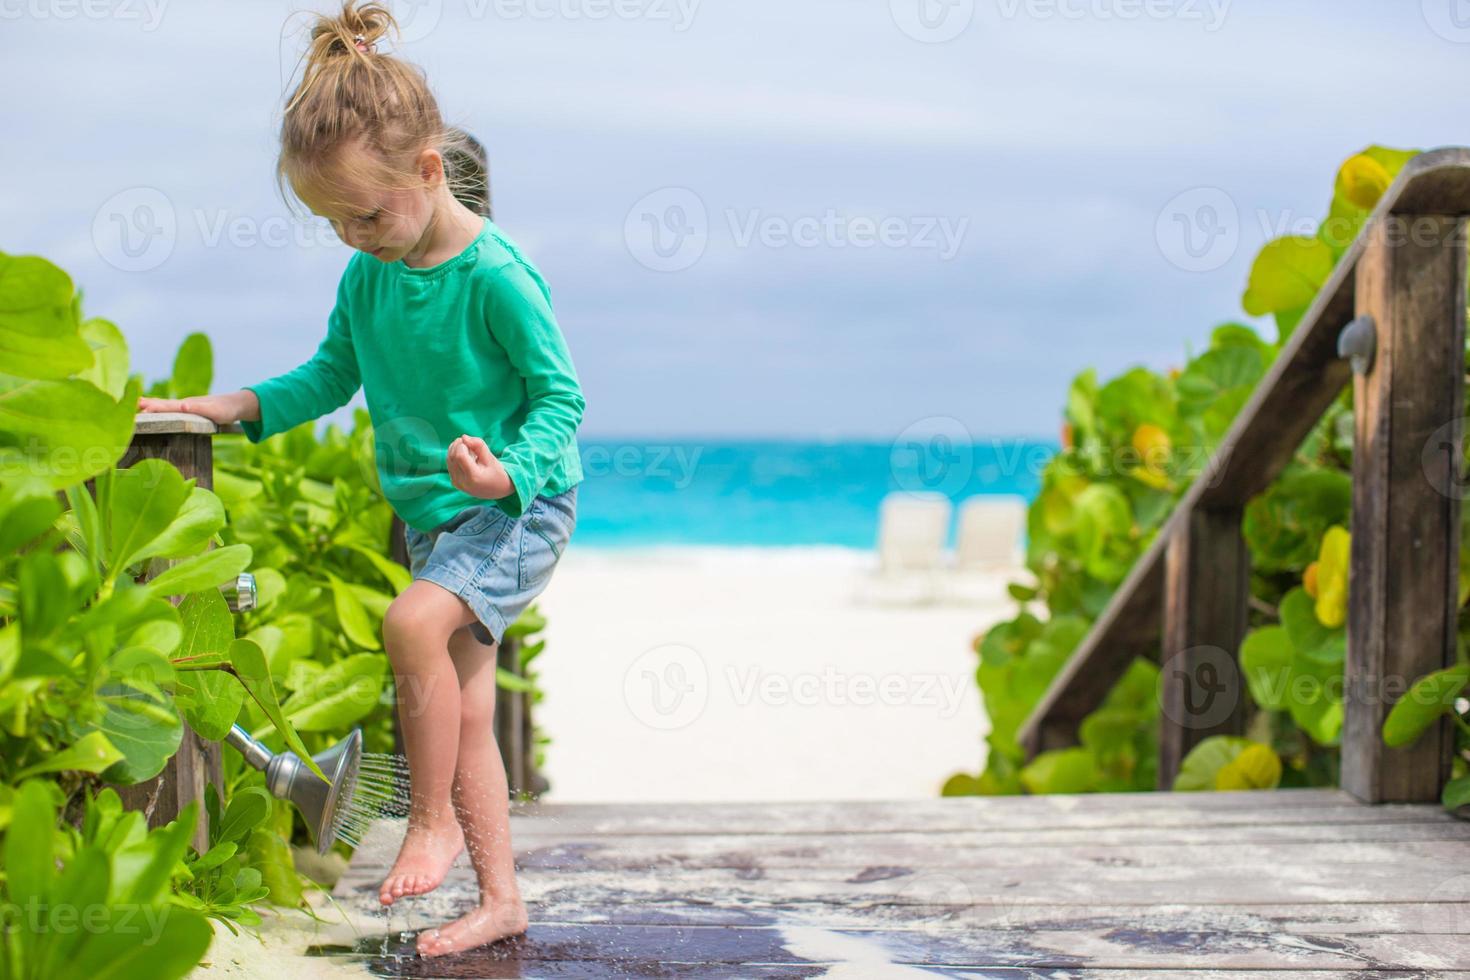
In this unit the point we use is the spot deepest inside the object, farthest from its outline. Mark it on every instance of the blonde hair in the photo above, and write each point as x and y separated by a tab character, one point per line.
349	96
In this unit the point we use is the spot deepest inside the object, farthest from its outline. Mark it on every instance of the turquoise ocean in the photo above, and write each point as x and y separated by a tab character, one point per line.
646	492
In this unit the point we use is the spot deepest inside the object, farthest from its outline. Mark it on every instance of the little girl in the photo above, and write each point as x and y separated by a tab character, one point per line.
448	328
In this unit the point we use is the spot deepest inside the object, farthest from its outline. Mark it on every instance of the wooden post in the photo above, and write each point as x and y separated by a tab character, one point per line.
1403	581
1206	599
186	442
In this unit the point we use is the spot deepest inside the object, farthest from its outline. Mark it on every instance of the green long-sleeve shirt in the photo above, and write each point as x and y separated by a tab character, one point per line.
468	346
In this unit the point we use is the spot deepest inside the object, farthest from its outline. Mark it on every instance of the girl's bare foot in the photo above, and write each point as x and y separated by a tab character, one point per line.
423	860
487	922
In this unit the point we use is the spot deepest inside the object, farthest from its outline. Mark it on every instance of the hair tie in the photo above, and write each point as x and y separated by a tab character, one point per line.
360	41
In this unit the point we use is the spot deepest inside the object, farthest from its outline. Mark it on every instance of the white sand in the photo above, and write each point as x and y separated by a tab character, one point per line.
714	674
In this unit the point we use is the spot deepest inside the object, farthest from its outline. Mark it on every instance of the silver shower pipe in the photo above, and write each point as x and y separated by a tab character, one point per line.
288	778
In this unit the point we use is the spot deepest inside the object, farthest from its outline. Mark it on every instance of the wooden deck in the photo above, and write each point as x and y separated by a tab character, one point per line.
1141	884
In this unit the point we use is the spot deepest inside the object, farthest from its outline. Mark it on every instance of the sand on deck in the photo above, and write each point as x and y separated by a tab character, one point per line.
719	674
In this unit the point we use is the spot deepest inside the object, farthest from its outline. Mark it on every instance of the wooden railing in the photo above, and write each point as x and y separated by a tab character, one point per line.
1186	599
186	441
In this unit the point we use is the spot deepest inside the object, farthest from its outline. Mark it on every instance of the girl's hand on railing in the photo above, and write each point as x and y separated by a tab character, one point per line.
220	409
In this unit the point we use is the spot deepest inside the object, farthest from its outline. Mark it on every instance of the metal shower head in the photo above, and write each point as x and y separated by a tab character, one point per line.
288	778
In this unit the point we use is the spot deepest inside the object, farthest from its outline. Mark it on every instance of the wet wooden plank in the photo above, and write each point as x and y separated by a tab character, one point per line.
632	950
1327	918
529	835
1074	811
658	890
666	854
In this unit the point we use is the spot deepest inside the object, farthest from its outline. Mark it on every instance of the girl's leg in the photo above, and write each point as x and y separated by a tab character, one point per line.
482	802
416	633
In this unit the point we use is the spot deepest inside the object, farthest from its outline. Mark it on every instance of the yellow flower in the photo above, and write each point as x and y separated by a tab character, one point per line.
1332	577
1363	181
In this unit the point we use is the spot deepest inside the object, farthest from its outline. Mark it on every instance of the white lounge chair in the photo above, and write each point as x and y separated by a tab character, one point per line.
988	548
991	526
912	528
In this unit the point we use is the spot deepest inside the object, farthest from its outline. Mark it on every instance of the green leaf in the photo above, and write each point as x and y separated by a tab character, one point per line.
1256	767
252	670
1456	793
1423	703
146	497
527	623
342	694
1299	617
200	518
1284	526
1060	771
1215	372
206	571
144	867
352	616
109	370
505	680
144	727
89	526
248	808
1286	275
193	367
270	853
64	432
39	335
398	576
171	953
28	506
30	844
209	699
1283	679
1203	763
90	753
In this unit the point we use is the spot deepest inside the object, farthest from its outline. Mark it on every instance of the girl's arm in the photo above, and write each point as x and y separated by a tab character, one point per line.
321	385
518	310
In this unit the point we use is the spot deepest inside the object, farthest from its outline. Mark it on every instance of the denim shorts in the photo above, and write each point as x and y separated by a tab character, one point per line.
496	563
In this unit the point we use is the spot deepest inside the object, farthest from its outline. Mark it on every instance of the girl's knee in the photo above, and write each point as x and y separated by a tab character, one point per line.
419	617
477	714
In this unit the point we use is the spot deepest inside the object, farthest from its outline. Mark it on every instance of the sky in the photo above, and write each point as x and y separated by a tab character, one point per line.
818	220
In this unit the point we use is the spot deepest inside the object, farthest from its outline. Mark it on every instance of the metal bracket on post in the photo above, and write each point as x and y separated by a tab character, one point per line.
1357	342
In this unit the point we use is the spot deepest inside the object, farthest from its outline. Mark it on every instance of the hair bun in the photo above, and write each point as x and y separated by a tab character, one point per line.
357	29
